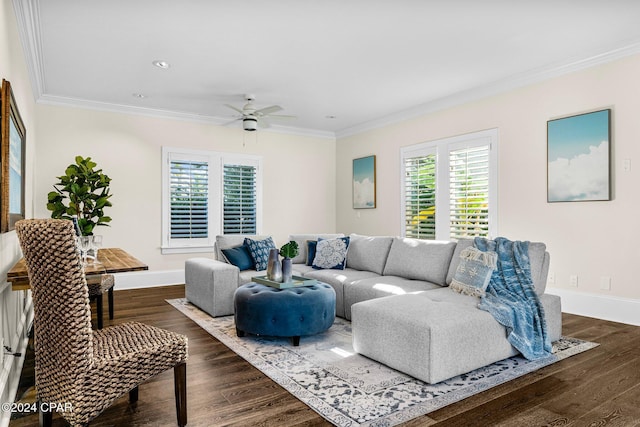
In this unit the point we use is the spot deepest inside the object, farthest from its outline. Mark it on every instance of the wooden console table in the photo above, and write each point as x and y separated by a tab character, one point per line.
112	260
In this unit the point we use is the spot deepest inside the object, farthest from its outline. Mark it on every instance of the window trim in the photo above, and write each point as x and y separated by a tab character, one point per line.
216	162
442	148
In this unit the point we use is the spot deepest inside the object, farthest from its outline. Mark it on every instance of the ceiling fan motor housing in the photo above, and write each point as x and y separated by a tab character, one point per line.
250	123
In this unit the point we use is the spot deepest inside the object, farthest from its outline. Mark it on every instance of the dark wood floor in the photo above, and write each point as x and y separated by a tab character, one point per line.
600	387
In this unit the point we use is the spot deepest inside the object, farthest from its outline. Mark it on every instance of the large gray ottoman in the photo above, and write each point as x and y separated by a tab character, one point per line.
427	339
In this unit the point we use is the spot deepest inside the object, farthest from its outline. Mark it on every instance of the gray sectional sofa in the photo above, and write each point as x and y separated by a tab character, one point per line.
395	292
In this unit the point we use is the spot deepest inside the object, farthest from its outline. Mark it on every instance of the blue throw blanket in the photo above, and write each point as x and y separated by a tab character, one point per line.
511	298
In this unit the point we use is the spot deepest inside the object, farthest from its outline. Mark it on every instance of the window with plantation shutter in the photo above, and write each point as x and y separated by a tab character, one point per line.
189	199
420	196
469	192
205	194
240	203
449	187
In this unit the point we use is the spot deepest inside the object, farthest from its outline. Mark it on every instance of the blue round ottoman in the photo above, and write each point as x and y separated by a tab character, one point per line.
293	312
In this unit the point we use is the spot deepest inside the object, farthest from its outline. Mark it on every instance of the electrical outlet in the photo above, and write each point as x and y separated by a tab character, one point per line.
605	283
551	279
573	280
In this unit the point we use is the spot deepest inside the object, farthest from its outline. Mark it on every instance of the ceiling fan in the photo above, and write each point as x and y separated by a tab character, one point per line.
252	117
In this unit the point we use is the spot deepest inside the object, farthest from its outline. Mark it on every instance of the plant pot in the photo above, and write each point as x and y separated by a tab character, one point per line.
287	270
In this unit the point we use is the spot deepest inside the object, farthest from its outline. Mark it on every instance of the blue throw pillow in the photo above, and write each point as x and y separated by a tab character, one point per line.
311	251
331	253
259	250
240	257
474	272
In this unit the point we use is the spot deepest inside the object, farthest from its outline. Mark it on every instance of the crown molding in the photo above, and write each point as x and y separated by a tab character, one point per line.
171	115
494	88
28	19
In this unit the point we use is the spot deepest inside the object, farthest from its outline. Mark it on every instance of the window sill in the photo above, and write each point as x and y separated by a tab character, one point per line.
165	250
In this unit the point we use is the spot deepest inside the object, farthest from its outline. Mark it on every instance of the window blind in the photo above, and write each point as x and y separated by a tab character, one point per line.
239	204
420	197
189	193
469	192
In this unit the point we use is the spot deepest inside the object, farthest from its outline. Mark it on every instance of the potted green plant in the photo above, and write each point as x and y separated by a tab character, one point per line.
288	251
82	192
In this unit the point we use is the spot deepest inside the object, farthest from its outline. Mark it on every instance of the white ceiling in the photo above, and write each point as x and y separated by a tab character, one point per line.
366	62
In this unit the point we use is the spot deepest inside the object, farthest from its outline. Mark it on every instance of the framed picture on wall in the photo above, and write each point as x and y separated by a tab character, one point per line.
578	157
12	160
364	183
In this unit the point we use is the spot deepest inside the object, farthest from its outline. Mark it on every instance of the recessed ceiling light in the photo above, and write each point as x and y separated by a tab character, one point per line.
161	64
138	95
330	116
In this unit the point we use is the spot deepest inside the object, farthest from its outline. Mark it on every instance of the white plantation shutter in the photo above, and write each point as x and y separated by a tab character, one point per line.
469	192
240	204
420	197
449	187
189	195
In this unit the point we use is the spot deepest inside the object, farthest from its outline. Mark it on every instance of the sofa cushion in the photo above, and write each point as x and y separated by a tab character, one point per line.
240	257
226	241
368	253
259	250
539	262
301	240
338	279
331	253
474	271
246	276
426	260
382	286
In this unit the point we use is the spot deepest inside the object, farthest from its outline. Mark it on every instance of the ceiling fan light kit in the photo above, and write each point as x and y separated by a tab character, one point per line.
250	123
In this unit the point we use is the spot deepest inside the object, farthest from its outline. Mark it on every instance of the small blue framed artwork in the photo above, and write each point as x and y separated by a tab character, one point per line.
578	157
364	183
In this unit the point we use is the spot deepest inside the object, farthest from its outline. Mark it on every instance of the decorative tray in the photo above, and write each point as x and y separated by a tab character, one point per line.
296	282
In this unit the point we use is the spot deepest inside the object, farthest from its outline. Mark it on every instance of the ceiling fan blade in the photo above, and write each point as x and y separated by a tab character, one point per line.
268	110
232	121
263	123
233	108
281	116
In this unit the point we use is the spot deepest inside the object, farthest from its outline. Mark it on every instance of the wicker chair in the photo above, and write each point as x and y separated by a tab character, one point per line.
79	369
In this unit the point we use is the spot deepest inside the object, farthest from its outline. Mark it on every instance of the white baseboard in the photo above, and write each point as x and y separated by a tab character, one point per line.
616	309
148	279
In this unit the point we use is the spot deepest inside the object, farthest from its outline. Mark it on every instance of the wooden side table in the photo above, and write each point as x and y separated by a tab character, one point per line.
111	260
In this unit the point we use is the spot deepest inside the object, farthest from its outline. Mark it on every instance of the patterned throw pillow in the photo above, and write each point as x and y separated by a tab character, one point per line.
259	250
474	271
331	253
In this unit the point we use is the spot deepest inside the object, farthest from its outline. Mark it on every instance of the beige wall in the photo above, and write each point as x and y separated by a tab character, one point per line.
590	239
298	172
15	307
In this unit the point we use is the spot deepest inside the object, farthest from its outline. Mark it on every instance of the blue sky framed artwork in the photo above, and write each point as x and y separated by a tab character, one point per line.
578	157
364	183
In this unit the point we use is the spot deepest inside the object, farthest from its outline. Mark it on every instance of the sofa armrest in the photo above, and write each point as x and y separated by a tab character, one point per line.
210	285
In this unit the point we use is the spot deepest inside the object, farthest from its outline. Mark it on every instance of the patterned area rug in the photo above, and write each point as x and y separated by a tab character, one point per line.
347	389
